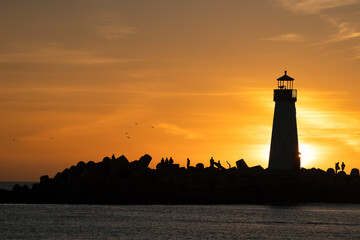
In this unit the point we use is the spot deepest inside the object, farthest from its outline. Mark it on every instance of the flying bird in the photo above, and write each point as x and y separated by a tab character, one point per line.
128	137
14	140
136	123
51	138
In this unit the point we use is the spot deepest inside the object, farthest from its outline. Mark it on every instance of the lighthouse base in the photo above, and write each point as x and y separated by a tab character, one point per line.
284	149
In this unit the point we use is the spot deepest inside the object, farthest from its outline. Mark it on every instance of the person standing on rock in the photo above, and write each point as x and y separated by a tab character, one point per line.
342	166
337	168
212	162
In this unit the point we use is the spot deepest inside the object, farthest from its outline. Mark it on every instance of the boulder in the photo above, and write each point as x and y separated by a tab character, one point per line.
241	165
354	172
16	188
106	159
145	160
199	166
90	163
44	179
330	171
81	165
122	159
257	169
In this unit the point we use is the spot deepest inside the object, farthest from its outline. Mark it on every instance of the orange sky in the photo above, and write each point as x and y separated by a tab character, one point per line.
197	77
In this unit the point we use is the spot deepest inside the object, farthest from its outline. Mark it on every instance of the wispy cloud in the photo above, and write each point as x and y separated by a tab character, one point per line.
176	130
344	31
115	31
313	6
286	37
356	49
55	54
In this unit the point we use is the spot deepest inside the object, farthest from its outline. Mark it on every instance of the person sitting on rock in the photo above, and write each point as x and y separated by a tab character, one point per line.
219	166
188	163
342	166
162	160
171	161
166	161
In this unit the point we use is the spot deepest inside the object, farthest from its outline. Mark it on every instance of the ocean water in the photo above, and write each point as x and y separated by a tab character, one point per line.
26	221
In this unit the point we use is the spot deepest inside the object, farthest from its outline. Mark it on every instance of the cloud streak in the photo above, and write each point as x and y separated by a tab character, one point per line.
113	32
344	31
313	6
176	130
51	54
286	37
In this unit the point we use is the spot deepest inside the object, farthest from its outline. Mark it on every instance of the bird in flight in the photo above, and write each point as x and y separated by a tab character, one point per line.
14	140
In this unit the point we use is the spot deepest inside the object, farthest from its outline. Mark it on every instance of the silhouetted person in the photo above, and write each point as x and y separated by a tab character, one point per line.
337	168
113	157
166	161
162	160
212	162
342	166
188	163
228	164
218	165
171	161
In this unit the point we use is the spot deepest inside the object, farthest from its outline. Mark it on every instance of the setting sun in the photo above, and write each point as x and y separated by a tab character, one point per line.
307	154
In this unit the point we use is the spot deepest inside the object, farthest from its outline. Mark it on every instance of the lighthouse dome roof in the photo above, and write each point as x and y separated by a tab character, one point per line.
285	77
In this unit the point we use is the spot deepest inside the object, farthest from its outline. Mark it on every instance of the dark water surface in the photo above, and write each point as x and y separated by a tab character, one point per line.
26	221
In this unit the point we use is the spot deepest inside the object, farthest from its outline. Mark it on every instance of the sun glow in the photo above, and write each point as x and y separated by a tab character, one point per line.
307	154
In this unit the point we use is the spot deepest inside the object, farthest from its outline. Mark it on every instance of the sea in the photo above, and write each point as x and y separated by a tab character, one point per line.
52	221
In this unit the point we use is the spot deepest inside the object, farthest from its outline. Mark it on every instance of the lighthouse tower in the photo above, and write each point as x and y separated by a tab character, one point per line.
284	148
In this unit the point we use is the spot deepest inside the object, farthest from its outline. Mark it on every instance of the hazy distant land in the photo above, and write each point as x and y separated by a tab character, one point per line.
118	181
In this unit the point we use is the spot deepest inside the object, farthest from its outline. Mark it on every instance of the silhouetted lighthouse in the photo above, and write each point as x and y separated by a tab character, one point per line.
284	148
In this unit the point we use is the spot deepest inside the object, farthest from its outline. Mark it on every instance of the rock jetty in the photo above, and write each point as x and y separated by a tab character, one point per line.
118	181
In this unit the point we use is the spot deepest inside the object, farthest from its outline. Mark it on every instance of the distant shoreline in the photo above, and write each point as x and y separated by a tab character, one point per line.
8	185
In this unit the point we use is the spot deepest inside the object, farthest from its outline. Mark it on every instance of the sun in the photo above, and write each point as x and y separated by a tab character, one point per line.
307	154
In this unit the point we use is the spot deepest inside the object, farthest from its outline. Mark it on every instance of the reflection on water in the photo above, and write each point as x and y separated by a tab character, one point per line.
179	222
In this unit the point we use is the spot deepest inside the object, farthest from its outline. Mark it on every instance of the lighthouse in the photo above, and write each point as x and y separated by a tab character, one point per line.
284	148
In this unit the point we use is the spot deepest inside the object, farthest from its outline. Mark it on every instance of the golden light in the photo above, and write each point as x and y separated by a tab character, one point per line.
308	154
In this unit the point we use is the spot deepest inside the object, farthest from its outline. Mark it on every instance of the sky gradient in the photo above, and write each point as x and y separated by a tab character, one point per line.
186	79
